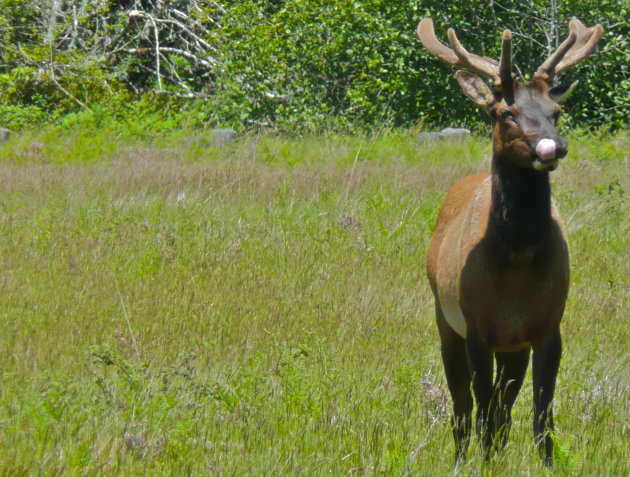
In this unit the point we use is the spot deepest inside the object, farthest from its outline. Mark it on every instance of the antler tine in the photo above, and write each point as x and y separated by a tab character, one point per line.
546	70
431	43
505	67
579	44
459	57
471	61
587	39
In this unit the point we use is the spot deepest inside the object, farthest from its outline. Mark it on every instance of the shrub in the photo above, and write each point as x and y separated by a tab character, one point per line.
299	65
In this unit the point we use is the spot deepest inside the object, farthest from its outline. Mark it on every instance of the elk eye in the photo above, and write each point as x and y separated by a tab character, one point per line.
507	115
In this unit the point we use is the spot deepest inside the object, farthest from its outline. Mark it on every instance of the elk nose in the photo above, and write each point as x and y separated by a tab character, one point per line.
562	148
546	149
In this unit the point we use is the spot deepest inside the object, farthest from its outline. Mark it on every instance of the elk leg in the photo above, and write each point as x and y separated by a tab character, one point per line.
458	379
481	366
545	364
511	369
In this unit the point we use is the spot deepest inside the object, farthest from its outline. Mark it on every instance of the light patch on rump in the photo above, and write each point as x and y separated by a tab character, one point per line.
448	279
453	315
452	254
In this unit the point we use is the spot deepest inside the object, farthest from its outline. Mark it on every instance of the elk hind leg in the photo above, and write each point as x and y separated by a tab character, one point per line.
458	377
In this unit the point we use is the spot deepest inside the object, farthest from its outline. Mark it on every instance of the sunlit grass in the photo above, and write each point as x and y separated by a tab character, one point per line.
262	308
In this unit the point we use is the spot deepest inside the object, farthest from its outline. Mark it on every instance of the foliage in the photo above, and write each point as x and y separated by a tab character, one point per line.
294	65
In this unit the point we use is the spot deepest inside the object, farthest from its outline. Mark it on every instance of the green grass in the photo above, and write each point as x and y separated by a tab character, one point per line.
262	309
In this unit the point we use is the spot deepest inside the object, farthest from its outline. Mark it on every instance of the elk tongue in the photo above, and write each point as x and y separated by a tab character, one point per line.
546	149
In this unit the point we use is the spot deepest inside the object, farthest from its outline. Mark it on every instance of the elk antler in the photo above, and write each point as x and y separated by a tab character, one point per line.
505	67
578	45
501	74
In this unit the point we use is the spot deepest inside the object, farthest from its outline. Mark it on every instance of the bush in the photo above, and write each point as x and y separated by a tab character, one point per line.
299	65
309	64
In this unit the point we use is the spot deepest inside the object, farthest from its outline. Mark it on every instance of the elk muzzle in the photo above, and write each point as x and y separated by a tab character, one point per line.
548	152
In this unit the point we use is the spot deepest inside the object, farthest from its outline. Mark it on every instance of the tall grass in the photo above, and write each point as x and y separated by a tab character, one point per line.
262	309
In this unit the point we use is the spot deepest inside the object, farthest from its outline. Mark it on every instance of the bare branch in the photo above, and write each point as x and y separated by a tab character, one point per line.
166	49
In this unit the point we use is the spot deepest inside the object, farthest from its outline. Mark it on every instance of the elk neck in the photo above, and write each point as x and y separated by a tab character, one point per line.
520	214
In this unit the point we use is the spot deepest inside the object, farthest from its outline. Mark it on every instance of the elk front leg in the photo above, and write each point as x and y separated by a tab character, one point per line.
481	362
545	364
511	369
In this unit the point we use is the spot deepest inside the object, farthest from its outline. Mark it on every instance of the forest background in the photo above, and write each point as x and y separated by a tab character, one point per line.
294	66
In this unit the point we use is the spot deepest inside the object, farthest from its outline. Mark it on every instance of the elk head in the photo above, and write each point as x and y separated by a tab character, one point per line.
524	115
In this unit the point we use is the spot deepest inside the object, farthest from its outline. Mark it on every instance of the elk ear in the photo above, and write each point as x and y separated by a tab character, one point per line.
476	89
561	92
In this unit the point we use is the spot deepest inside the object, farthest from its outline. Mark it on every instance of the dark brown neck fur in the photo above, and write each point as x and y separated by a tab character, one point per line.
520	213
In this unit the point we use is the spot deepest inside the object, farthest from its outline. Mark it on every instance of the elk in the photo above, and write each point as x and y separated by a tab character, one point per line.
498	260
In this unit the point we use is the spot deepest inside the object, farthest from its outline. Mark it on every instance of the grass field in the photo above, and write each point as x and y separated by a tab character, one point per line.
262	309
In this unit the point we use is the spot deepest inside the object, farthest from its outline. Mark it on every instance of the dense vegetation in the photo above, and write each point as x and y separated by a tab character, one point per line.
294	65
262	308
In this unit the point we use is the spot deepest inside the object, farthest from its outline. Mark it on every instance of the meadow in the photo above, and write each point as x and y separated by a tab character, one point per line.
262	308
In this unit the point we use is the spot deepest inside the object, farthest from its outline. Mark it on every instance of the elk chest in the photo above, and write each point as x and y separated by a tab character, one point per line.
511	300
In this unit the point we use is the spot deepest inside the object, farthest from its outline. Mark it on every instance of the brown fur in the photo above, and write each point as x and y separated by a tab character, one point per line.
498	262
511	301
